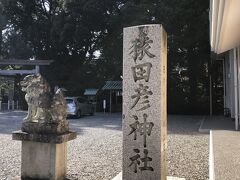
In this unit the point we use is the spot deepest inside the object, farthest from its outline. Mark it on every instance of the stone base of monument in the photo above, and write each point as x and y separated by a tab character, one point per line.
119	177
43	155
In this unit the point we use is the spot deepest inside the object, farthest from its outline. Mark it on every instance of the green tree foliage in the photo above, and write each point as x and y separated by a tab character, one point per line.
187	25
71	32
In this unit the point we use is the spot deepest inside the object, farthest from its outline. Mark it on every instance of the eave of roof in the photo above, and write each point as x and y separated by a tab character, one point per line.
224	25
112	85
25	62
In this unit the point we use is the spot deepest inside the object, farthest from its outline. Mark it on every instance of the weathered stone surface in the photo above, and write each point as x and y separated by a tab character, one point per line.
44	138
45	127
144	103
43	161
119	177
45	131
43	105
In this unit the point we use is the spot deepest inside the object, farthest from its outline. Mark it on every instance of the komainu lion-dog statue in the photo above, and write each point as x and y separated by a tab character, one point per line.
44	107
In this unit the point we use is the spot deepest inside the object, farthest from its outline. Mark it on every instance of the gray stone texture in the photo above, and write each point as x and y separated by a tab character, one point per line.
44	132
43	160
43	155
144	46
119	177
46	127
43	104
44	138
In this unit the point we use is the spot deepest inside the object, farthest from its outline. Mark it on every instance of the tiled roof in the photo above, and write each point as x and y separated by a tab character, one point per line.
112	85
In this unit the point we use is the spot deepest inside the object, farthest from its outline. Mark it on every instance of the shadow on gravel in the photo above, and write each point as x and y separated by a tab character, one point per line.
177	124
99	120
11	121
184	124
218	123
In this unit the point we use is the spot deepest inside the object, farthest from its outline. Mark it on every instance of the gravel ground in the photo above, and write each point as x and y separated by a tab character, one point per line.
187	149
96	153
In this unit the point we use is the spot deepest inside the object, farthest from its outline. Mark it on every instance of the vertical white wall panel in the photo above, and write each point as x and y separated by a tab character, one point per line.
238	71
235	87
231	63
227	93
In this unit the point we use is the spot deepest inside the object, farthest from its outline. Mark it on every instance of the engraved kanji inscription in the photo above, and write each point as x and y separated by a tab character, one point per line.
144	129
136	161
142	71
141	45
142	92
145	161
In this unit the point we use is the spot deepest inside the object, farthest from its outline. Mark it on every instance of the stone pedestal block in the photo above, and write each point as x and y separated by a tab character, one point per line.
45	127
43	156
43	160
119	177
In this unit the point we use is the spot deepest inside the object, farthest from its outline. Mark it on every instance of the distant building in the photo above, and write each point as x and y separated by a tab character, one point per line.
225	46
91	94
112	94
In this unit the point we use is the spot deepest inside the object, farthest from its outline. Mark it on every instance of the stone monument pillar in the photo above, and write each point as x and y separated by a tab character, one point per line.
144	103
44	133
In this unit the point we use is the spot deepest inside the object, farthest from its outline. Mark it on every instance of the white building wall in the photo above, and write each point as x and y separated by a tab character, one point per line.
227	90
236	85
231	62
237	57
232	84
